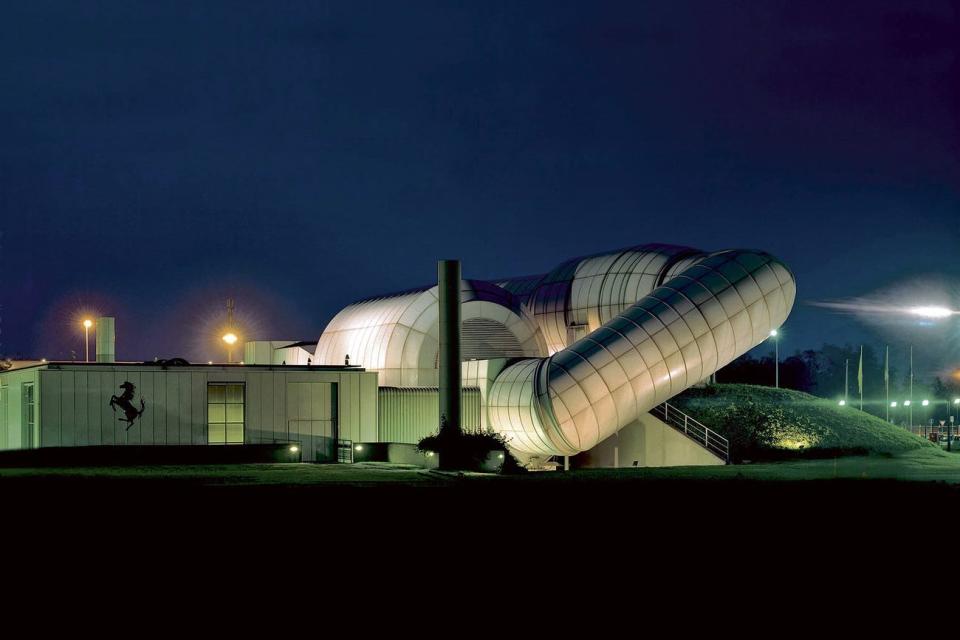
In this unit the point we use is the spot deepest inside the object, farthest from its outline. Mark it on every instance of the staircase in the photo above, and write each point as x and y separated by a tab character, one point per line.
693	429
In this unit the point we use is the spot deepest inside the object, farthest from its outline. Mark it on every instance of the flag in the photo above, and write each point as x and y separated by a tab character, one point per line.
860	372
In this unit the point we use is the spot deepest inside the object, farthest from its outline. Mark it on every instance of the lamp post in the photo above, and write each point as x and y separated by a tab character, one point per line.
86	337
956	403
231	339
776	357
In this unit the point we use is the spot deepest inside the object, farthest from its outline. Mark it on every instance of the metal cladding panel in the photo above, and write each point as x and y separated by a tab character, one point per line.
398	336
407	414
659	346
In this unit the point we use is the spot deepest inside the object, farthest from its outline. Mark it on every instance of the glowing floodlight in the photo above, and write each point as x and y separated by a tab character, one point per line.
230	338
930	312
87	323
294	448
894	404
906	403
359	447
925	403
773	333
843	403
956	401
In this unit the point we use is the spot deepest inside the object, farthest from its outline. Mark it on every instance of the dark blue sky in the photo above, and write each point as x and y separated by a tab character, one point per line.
158	157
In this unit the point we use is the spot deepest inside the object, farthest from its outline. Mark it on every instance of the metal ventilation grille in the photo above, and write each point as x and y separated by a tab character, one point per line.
483	338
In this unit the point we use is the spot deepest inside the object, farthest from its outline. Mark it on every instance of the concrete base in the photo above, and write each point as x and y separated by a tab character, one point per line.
648	442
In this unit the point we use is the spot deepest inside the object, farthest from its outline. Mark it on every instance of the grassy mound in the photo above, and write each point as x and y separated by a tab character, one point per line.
763	423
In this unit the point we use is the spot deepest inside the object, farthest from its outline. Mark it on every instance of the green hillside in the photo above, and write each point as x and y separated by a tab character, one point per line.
763	423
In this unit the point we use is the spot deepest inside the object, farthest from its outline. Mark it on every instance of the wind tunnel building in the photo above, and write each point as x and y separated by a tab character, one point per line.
565	362
579	362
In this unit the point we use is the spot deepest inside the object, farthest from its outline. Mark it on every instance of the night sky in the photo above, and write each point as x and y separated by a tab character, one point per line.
159	157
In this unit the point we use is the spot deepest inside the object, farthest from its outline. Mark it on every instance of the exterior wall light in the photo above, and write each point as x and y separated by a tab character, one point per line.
294	448
359	447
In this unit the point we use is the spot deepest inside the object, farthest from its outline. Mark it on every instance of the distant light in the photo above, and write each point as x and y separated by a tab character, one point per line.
429	454
209	361
230	338
241	362
930	312
43	359
893	404
925	402
906	403
956	401
294	448
501	456
773	333
843	403
359	447
87	323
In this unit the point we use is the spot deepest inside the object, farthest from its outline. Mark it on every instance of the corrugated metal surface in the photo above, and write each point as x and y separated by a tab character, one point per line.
73	405
410	413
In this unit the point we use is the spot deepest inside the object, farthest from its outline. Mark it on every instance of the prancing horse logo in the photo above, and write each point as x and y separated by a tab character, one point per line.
125	402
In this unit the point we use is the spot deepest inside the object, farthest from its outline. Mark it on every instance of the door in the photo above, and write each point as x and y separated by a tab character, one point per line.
312	419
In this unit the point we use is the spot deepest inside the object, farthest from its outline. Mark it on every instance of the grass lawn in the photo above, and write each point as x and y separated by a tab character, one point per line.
768	423
927	464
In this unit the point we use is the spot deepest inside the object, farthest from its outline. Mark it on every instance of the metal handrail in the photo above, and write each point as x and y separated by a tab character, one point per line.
693	429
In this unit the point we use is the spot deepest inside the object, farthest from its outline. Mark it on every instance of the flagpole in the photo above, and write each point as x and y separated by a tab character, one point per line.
886	379
860	377
846	382
911	388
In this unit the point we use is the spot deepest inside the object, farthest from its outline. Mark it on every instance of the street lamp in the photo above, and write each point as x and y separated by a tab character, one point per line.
776	357
843	403
231	339
86	337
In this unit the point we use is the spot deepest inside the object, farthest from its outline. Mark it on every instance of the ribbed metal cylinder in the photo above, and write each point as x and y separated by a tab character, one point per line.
448	285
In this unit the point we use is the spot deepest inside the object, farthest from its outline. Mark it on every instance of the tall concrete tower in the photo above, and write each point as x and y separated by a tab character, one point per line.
448	284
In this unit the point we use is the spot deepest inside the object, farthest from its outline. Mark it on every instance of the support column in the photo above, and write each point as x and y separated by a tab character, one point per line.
448	283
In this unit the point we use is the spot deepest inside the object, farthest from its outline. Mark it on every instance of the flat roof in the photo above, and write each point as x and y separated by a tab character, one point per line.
71	364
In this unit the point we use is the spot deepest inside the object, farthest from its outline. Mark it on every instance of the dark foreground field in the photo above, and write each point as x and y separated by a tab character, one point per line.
855	489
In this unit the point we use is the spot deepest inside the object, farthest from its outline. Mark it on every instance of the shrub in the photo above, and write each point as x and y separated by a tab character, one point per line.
469	450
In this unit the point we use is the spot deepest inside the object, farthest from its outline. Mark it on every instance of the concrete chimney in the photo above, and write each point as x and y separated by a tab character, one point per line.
106	340
448	283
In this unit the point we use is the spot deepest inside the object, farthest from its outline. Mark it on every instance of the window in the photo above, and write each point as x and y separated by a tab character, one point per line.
225	413
29	417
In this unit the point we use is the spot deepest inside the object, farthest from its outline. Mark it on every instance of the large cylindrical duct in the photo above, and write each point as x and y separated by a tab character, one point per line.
106	340
448	285
709	312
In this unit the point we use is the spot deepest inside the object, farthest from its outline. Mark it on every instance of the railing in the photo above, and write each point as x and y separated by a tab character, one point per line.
693	429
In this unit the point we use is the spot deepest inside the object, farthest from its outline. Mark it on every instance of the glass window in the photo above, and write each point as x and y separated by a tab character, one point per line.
29	417
225	411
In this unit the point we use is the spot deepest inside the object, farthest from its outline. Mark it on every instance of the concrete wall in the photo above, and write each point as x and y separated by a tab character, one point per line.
647	442
281	404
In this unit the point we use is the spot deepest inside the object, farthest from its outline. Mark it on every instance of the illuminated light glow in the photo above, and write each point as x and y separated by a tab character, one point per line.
241	362
843	403
925	402
931	312
230	338
294	448
209	361
87	323
43	359
359	447
773	333
894	404
429	454
501	456
906	403
956	401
